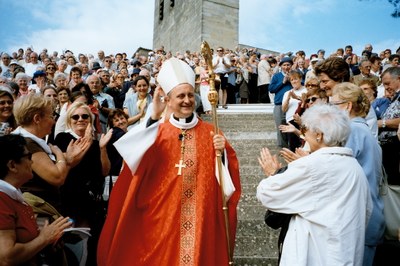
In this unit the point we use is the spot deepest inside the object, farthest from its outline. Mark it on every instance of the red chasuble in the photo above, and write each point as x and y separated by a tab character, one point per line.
157	217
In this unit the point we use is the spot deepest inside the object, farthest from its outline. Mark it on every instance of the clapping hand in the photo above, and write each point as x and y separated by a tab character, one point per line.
290	156
269	163
50	233
78	148
105	138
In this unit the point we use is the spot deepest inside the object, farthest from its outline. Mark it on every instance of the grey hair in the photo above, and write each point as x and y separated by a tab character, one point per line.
60	75
329	120
22	75
394	72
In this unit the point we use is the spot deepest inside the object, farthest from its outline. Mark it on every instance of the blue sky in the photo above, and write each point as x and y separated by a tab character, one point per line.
125	25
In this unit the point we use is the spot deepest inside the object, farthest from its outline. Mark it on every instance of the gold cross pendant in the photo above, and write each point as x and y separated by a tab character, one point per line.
180	165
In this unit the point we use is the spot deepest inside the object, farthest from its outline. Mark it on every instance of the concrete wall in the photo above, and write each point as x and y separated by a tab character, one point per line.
189	22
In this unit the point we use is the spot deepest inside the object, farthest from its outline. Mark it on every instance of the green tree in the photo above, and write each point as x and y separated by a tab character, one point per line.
396	5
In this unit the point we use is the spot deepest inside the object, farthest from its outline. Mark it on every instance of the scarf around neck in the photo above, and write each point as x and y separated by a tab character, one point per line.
41	142
11	191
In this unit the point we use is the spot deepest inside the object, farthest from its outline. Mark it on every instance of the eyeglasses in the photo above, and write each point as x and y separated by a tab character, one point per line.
27	155
303	129
9	102
312	85
312	99
76	117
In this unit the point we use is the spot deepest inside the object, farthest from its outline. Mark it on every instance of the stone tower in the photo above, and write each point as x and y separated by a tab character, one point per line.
181	25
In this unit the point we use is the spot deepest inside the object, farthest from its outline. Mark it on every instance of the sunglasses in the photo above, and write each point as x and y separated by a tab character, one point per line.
9	102
76	117
312	99
220	50
50	68
312	85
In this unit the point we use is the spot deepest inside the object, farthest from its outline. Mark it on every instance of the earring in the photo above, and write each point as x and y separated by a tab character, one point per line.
318	139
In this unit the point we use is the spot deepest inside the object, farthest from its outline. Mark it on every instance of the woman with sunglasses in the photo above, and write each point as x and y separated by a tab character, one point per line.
50	69
83	187
21	240
309	99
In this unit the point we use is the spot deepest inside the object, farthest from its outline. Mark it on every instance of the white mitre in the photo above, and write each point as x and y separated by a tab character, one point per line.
174	72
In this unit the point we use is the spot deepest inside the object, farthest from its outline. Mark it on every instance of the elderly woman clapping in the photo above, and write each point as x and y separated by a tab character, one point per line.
326	192
20	238
34	114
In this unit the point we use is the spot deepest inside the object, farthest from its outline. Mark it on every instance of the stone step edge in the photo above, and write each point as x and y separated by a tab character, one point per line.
258	108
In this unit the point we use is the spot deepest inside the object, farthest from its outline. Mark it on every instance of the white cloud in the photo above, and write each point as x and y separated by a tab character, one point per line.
88	26
273	24
125	25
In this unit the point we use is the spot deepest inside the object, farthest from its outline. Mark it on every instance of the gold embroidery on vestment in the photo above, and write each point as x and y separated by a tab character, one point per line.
188	201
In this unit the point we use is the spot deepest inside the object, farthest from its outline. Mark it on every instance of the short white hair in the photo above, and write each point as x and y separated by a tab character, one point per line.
329	120
22	75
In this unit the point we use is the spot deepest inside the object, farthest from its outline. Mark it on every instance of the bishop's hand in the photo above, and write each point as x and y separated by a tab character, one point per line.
218	141
159	103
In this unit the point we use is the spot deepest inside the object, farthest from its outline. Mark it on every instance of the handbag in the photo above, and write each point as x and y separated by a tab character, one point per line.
391	200
277	220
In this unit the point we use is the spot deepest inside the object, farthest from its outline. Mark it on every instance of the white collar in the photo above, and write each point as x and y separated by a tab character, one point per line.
182	122
72	133
42	143
11	191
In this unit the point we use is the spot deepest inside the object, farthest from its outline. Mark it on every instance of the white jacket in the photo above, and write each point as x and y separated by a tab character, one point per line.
328	193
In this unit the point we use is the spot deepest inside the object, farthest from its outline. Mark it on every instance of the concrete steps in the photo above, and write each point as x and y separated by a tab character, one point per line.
248	128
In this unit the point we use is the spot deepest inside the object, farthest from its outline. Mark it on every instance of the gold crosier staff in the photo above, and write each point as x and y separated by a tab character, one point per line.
213	98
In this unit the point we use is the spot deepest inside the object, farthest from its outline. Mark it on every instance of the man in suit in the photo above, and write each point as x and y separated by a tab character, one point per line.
365	68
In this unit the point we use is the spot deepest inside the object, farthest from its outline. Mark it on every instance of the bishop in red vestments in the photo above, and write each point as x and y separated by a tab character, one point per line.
166	207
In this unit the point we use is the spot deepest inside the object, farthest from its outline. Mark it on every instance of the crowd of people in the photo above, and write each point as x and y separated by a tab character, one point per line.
70	109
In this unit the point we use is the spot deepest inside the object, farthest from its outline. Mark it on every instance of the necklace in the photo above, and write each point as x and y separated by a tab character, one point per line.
181	165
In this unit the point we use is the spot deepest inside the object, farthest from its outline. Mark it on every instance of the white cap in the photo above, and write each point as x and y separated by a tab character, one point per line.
174	72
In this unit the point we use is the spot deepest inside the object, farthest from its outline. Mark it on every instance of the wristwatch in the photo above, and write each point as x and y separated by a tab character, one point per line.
383	123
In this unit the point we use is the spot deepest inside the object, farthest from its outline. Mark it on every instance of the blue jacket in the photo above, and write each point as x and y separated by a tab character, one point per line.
369	155
276	86
380	105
